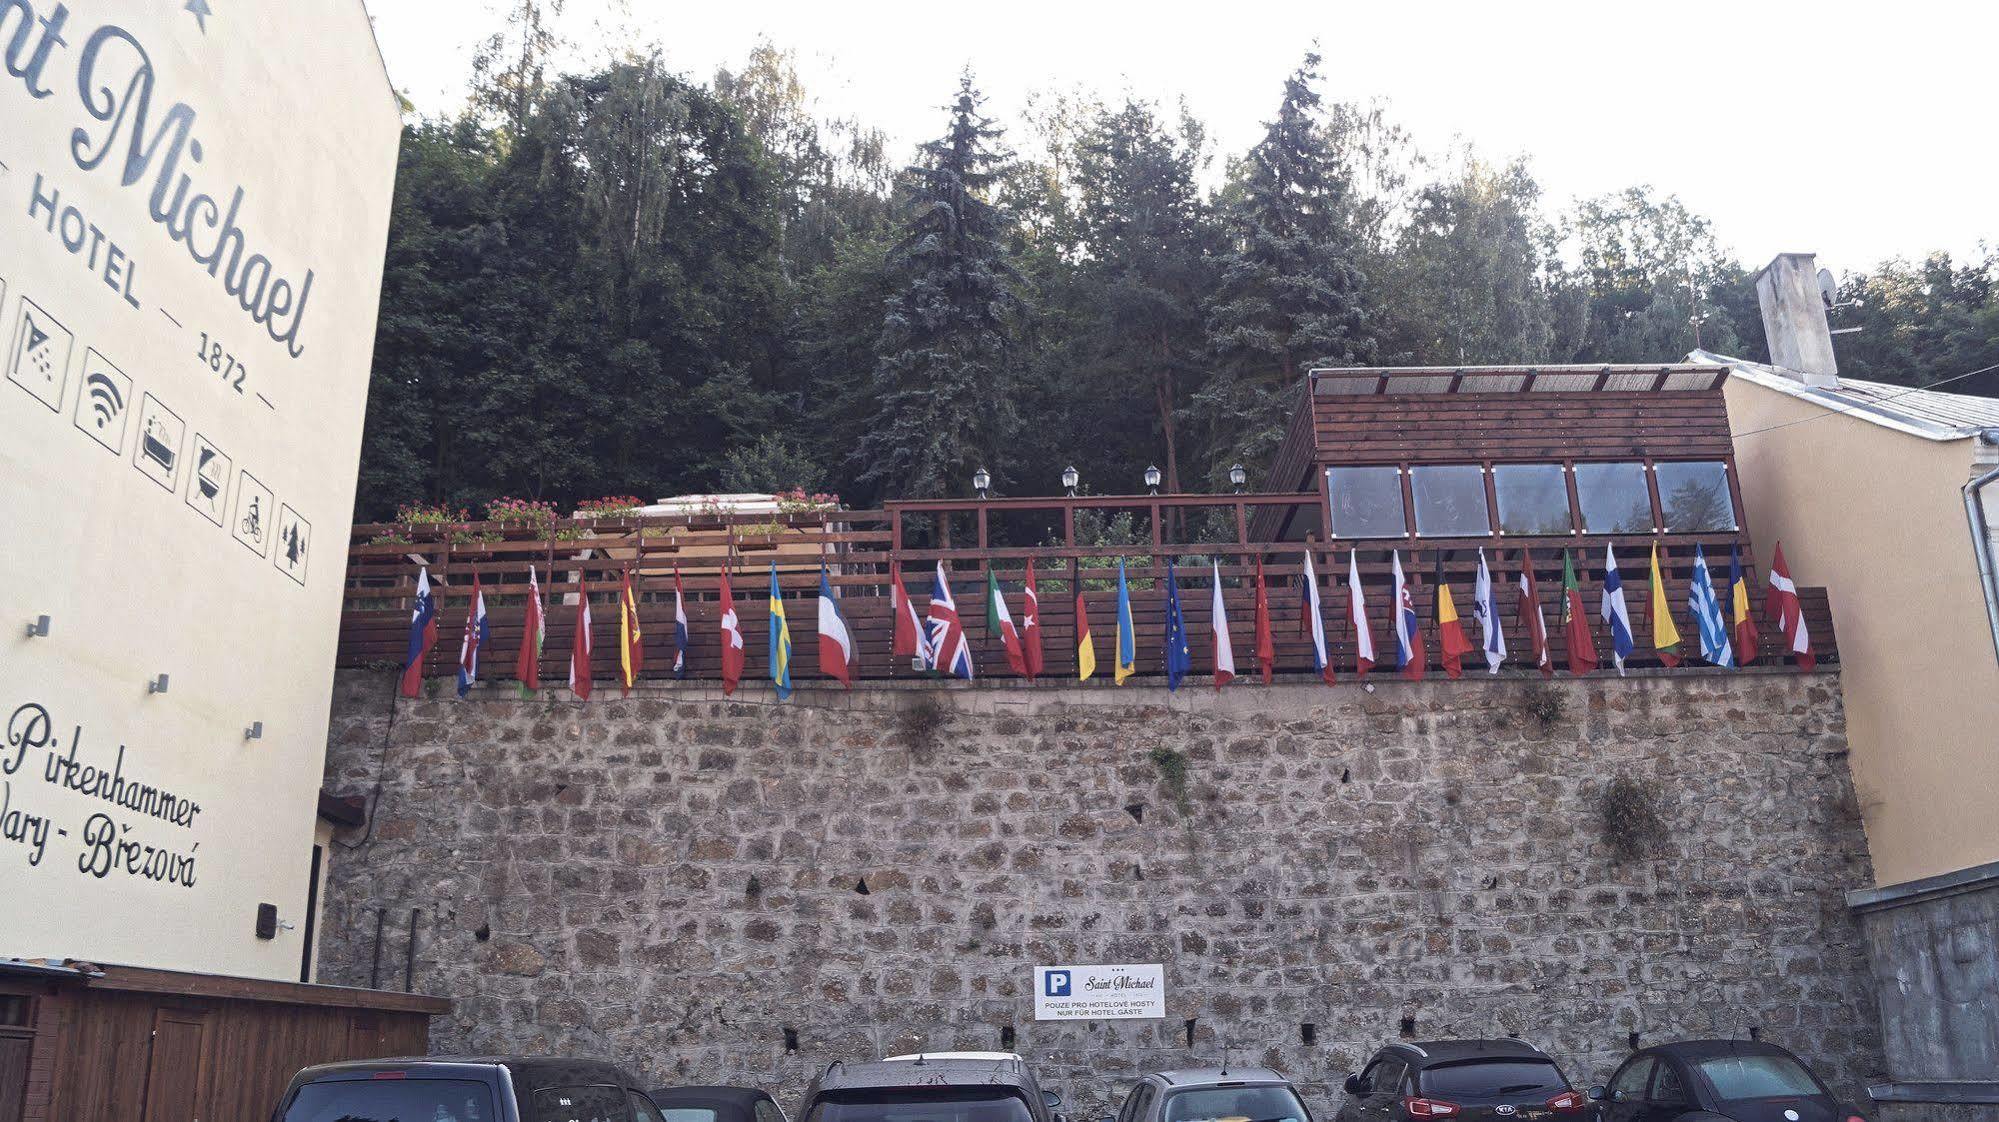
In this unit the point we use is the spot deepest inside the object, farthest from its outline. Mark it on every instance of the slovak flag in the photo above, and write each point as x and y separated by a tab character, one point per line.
475	637
1315	624
423	635
679	627
1363	633
1218	618
945	648
836	643
1615	611
1782	606
1408	631
732	640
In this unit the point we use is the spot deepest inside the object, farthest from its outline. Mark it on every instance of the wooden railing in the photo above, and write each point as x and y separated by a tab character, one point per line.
1065	538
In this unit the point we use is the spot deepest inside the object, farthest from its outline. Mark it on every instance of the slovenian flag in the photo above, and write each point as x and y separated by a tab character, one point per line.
1706	609
679	626
1408	632
423	635
1615	611
475	637
1313	623
1363	632
1485	606
836	643
1218	622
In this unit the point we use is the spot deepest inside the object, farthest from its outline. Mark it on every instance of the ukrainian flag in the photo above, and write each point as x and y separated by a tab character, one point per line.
780	640
1127	640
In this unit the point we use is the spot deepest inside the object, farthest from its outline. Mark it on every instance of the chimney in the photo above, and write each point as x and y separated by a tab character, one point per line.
1787	290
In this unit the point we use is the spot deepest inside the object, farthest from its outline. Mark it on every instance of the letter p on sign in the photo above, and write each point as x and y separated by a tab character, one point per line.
1056	984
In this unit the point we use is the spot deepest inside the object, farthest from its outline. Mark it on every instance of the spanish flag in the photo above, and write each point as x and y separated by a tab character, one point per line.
1086	647
780	640
1665	633
631	642
1127	639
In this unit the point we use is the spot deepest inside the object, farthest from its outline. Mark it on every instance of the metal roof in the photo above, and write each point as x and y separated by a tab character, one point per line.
1556	378
1931	414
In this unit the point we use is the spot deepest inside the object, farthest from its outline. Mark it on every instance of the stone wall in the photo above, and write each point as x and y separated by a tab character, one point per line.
682	881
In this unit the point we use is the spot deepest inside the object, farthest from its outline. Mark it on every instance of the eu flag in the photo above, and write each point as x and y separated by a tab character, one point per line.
1179	658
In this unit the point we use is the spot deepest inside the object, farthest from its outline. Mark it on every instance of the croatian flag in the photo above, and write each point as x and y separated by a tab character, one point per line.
945	648
836	643
1408	631
423	635
1315	624
475	637
1615	611
679	627
1363	634
1218	618
1708	617
1486	607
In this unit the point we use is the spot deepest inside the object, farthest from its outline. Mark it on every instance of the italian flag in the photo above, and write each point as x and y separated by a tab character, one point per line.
1000	622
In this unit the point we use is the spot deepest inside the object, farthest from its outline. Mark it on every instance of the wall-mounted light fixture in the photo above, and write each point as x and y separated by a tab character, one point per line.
38	628
157	685
255	731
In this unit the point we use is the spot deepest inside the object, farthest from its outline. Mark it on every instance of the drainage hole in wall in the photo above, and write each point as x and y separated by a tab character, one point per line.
1408	1027
790	1041
1308	1033
1190	1032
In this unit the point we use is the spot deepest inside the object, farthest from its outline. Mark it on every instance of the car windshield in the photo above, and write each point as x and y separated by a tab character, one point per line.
924	1104
1492	1077
1235	1104
392	1100
1758	1077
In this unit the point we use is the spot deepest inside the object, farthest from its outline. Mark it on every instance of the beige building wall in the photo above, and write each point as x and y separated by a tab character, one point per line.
178	448
1877	517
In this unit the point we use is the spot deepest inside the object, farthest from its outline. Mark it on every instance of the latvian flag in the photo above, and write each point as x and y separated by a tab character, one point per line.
1782	606
475	637
836	643
423	635
945	648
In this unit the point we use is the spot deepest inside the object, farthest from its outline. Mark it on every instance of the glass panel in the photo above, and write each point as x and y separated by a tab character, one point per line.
1450	501
1492	1077
1614	498
1629	1086
1367	502
1533	498
1758	1077
1695	495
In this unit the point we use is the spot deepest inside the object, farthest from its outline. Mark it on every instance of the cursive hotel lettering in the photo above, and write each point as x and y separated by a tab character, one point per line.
21	62
17	825
28	727
107	849
114	788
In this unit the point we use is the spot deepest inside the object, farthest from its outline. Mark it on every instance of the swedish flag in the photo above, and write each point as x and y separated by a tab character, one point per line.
780	640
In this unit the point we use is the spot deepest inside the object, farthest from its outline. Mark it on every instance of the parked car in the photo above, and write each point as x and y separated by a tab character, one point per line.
1211	1094
716	1104
466	1089
1506	1079
930	1088
1712	1080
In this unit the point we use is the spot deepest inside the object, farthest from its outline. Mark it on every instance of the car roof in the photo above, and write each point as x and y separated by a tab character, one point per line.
535	1071
1428	1053
746	1097
942	1071
1211	1076
1708	1049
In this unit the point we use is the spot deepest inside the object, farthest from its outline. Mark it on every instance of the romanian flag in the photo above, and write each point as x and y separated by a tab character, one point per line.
1127	639
1665	633
1575	622
1746	635
1452	642
631	642
780	640
1086	648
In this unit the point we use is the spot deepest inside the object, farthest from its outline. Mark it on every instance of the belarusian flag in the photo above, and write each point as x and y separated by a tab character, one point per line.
999	622
580	644
1575	622
527	664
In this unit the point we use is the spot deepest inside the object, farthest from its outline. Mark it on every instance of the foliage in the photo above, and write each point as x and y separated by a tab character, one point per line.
1172	766
536	513
611	506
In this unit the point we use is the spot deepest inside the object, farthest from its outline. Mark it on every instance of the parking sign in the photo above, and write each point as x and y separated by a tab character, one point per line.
1099	993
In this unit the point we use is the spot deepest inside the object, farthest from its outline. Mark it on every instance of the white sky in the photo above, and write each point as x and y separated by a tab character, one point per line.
1857	131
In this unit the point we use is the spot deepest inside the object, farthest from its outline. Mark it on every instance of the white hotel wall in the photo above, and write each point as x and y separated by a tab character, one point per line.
290	104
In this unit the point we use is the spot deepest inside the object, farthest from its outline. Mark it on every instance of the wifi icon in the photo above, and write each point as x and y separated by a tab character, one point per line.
101	407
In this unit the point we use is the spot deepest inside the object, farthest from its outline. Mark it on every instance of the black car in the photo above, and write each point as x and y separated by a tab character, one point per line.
1712	1080
1508	1079
466	1089
929	1089
716	1104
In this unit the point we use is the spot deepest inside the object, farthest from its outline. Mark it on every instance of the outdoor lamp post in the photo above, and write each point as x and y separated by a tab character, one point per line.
1152	478
1069	478
981	480
1237	477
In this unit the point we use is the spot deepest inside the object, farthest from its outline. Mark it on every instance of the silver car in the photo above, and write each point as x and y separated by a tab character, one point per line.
1231	1094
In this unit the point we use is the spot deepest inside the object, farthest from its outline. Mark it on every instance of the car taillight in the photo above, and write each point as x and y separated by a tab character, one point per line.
390	1075
1428	1108
1568	1102
1855	1118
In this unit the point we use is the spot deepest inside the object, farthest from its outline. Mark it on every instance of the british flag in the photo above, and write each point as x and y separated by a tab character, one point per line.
944	647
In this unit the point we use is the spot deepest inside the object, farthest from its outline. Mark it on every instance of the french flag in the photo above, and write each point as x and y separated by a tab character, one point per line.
836	642
423	635
475	637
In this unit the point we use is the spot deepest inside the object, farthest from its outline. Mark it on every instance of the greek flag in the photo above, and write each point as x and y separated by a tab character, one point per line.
1708	616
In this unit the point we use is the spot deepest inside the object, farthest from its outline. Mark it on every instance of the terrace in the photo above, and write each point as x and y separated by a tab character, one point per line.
1523	462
